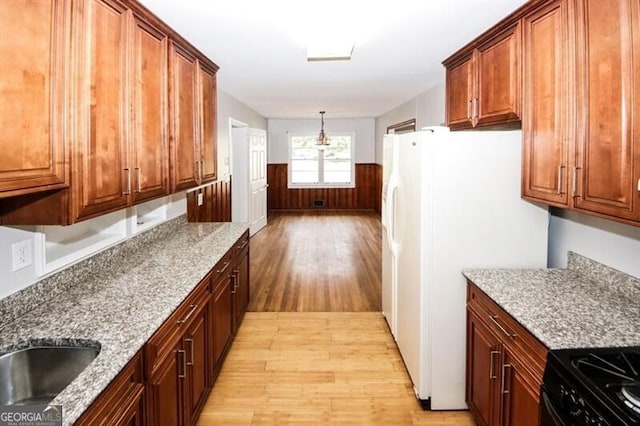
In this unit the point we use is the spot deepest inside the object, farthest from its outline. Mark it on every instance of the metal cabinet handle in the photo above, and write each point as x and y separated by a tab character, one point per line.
494	318
184	364
128	191
504	373
492	374
191	346
469	109
185	319
201	169
560	167
234	282
139	177
476	108
198	171
244	243
575	181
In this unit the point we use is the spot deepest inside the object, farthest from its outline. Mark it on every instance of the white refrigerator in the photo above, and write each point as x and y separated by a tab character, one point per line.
451	200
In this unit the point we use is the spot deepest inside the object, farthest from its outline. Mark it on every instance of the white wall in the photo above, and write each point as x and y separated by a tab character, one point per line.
427	108
611	243
230	107
363	128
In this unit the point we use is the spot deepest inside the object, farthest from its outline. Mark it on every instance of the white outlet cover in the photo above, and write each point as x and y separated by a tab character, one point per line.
200	199
21	254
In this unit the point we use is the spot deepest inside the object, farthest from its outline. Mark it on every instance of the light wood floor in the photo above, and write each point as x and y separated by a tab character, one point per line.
317	262
293	368
308	356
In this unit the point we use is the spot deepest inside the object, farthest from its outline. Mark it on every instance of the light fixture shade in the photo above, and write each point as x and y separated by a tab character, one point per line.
322	140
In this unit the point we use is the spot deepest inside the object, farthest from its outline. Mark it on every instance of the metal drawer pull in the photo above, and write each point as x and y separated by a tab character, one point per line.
575	181
224	268
185	319
494	318
244	243
184	364
234	282
190	341
469	113
492	374
504	373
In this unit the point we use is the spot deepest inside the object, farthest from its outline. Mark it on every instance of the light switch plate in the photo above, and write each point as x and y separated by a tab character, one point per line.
200	199
21	254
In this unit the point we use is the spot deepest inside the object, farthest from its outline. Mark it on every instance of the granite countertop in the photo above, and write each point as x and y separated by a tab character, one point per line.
116	300
585	305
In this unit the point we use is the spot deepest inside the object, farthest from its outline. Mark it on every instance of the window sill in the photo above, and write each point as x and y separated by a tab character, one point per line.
321	186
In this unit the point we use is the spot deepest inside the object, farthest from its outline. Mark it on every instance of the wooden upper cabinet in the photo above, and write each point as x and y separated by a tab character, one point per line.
483	80
460	94
498	79
102	179
34	48
208	128
149	147
185	160
545	164
608	103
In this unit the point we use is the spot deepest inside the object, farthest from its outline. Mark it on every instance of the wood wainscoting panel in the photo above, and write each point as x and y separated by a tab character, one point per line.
365	196
216	206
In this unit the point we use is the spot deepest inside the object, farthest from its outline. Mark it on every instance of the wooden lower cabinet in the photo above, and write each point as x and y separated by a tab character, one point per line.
165	390
221	324
505	364
483	350
122	402
168	382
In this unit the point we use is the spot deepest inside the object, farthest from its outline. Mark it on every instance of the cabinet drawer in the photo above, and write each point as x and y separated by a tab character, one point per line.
241	246
222	270
524	345
160	345
121	398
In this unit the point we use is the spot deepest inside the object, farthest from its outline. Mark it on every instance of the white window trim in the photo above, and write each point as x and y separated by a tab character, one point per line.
291	185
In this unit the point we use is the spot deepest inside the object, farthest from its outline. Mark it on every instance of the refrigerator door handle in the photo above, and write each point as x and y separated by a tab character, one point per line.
391	215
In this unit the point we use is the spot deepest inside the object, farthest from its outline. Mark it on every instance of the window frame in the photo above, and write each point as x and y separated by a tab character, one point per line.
319	185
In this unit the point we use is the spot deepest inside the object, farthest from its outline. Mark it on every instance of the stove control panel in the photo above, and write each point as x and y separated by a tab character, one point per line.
580	413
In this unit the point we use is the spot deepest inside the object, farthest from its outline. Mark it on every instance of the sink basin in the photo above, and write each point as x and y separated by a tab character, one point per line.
36	375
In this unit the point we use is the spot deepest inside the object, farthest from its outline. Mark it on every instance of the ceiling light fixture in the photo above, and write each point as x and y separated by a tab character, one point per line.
322	140
329	50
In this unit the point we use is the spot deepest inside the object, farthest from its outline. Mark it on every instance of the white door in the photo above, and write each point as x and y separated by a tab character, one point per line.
257	179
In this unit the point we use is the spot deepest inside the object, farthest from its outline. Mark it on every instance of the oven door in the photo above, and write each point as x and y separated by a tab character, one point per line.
549	415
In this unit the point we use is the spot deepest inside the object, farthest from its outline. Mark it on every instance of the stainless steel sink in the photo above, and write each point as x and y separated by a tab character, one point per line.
36	375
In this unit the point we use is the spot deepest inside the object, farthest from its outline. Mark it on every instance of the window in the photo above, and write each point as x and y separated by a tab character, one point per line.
331	166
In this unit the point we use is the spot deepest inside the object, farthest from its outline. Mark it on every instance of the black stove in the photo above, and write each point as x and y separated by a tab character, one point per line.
592	387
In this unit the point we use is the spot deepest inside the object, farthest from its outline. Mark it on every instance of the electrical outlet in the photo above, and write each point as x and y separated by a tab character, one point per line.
200	199
21	254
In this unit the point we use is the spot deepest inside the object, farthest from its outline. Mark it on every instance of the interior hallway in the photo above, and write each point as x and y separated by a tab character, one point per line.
318	364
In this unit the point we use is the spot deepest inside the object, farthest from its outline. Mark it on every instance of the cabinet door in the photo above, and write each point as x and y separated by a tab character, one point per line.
166	390
460	94
102	179
498	91
545	162
608	77
149	144
221	323
208	129
520	395
483	364
185	160
241	291
32	87
195	344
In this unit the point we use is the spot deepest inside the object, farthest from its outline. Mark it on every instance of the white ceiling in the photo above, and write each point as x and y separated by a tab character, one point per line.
260	47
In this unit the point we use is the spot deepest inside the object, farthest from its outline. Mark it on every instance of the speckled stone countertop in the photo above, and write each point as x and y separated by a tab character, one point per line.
585	305
116	300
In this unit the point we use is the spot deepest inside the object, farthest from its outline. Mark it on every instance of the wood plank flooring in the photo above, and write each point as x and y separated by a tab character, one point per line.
310	355
317	262
292	368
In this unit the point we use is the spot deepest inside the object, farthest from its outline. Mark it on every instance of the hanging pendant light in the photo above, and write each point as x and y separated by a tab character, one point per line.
322	140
